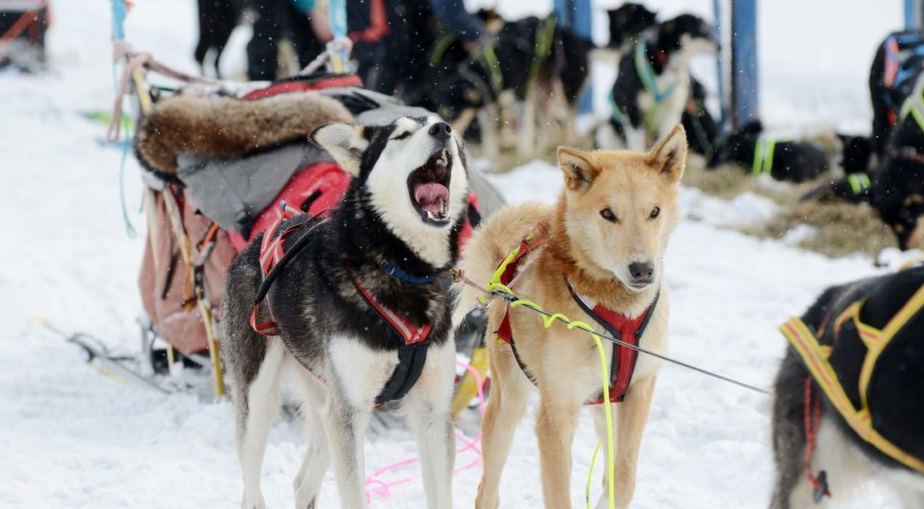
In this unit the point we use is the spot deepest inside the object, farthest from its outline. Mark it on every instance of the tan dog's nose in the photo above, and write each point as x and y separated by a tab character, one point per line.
642	272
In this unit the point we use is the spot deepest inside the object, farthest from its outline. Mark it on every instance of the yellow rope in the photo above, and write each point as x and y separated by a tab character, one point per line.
495	286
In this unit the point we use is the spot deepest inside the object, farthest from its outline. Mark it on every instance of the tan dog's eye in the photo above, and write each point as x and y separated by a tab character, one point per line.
608	215
655	212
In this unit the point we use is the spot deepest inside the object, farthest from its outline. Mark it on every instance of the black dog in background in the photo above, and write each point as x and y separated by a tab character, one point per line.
794	161
627	23
217	19
701	128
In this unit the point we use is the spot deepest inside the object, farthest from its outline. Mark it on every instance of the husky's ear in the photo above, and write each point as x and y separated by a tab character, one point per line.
669	156
344	142
580	172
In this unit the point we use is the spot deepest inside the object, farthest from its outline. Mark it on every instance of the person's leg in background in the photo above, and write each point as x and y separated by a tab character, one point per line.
577	16
371	25
262	50
419	39
306	44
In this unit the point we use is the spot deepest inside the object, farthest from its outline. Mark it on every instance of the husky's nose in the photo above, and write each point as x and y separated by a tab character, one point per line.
642	272
440	131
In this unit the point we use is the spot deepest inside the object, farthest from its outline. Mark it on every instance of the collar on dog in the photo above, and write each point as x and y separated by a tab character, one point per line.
398	273
763	156
647	75
859	183
815	356
630	330
412	334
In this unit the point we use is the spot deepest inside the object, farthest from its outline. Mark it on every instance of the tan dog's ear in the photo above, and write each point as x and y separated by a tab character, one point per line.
579	171
669	156
344	142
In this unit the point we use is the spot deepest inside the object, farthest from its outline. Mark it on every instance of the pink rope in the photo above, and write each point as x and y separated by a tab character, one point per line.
376	487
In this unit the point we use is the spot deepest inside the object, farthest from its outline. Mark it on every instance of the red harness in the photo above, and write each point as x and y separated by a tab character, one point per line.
411	356
627	330
272	252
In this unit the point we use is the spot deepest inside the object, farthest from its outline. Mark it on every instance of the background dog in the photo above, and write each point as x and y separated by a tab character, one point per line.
604	242
395	229
531	69
795	161
653	84
627	22
896	382
701	128
894	189
895	68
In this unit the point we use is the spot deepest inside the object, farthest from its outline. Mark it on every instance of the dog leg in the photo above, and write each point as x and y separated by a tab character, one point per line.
255	408
505	407
317	456
526	143
555	425
344	425
356	378
487	122
427	407
631	416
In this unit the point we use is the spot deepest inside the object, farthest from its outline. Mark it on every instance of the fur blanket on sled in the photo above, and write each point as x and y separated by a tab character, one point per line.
229	128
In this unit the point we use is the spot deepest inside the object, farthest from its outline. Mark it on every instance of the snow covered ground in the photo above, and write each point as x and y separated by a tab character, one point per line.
72	438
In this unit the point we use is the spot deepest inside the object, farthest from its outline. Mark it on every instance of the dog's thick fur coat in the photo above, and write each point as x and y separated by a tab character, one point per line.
337	348
615	215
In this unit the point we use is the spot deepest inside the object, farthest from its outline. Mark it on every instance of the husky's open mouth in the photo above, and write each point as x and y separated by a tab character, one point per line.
429	188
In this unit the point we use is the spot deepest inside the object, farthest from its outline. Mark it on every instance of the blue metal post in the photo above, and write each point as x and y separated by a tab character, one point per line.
744	78
577	15
719	32
913	13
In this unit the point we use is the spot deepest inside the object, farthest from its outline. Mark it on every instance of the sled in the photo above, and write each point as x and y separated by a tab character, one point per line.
214	179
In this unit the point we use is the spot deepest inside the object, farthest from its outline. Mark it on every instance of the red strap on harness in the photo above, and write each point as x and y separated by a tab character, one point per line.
527	245
271	251
411	333
625	357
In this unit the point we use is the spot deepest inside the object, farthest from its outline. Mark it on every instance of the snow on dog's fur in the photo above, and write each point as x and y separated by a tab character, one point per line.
606	236
403	210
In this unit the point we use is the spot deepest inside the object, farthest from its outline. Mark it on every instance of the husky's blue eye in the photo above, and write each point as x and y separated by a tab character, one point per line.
402	136
608	215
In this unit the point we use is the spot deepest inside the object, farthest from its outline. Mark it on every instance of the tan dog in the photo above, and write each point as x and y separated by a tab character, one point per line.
606	237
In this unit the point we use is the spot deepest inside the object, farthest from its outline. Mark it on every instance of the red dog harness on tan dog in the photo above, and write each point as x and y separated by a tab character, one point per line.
617	325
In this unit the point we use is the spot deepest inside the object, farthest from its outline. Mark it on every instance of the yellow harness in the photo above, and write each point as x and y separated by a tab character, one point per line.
815	356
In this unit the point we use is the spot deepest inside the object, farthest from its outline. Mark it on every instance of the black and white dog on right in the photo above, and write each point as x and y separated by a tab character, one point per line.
653	84
895	187
816	448
359	297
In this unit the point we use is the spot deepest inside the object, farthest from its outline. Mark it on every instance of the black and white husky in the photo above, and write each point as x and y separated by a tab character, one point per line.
653	84
356	281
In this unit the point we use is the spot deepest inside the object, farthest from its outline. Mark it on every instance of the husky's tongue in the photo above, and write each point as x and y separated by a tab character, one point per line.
432	198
